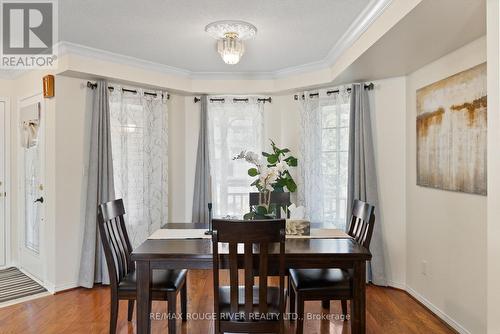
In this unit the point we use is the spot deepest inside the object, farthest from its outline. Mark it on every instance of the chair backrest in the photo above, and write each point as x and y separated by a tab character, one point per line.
362	221
279	199
115	241
257	236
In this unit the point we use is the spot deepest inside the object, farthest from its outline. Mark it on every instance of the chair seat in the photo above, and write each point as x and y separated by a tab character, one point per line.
320	279
162	280
273	300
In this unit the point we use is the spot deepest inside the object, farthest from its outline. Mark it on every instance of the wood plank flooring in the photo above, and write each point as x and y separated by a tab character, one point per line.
87	311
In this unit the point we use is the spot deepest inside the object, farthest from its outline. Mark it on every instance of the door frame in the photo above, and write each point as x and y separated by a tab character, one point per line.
7	186
22	102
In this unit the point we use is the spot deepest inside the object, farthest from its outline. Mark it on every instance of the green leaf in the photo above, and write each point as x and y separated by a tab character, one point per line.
260	210
253	172
291	161
249	216
285	150
272	159
291	185
266	154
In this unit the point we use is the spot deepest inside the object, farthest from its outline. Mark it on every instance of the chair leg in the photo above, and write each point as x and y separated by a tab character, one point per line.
130	309
217	326
184	301
300	313
325	304
114	313
291	294
343	302
172	309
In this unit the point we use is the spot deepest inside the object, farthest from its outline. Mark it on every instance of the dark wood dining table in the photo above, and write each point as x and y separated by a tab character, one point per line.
197	254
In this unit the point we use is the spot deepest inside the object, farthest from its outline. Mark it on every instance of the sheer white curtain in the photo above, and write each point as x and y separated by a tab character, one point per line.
232	128
323	160
139	146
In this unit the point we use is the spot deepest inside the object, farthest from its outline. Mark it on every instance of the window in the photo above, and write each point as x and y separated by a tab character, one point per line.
139	147
323	157
334	151
232	128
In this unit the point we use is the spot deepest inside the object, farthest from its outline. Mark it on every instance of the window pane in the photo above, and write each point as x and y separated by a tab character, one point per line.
233	127
329	116
335	143
139	147
329	139
344	115
343	139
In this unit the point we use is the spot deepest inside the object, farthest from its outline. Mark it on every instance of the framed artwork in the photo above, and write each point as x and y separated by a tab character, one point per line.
451	132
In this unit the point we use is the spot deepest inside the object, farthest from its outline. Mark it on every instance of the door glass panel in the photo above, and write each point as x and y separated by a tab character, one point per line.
32	184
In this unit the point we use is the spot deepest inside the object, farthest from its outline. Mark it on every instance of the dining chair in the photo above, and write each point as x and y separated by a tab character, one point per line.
117	249
280	199
249	308
331	284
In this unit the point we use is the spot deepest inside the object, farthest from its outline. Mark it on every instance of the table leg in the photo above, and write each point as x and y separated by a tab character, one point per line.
143	296
358	304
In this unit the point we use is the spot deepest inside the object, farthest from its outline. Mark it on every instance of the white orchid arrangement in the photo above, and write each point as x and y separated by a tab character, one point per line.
272	171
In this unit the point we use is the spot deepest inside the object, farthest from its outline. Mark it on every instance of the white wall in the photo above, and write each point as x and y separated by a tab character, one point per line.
388	124
446	229
70	149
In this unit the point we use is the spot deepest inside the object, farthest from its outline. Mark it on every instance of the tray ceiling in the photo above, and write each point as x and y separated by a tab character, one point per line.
290	34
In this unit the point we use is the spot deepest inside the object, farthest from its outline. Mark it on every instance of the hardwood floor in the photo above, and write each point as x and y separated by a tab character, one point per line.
87	311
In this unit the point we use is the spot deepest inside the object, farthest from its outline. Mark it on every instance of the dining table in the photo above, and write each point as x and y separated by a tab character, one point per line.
300	252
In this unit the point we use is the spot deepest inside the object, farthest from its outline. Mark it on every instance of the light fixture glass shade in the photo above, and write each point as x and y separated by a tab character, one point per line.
229	35
231	49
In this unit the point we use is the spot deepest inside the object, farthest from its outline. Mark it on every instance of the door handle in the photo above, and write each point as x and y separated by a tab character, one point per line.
39	200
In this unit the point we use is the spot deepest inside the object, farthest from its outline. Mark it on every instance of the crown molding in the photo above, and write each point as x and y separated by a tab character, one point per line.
89	52
362	22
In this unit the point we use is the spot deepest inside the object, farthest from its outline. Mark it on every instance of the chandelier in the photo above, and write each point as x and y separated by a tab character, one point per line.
230	36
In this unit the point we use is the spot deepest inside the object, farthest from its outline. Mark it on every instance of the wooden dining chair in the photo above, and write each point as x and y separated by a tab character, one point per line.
117	249
331	284
280	199
249	308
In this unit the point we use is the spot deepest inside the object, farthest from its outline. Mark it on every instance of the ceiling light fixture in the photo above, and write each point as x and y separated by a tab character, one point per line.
230	36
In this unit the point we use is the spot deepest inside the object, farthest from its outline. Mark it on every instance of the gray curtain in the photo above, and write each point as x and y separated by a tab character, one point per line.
362	176
202	188
100	188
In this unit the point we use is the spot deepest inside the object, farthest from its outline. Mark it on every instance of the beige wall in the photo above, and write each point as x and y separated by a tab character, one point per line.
445	229
388	124
70	148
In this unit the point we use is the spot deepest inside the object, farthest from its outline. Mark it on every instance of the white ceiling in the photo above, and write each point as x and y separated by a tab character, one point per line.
290	33
433	29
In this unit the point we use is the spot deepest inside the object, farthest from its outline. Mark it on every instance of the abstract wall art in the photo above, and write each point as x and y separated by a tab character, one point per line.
451	132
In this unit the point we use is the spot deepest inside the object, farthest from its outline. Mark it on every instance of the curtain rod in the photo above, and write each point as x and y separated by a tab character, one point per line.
223	100
369	86
94	85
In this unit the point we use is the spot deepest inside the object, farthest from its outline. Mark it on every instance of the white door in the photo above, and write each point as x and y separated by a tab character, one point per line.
3	207
31	181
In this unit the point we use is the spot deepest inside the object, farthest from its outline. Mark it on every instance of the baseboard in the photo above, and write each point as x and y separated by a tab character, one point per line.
439	313
66	286
397	285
